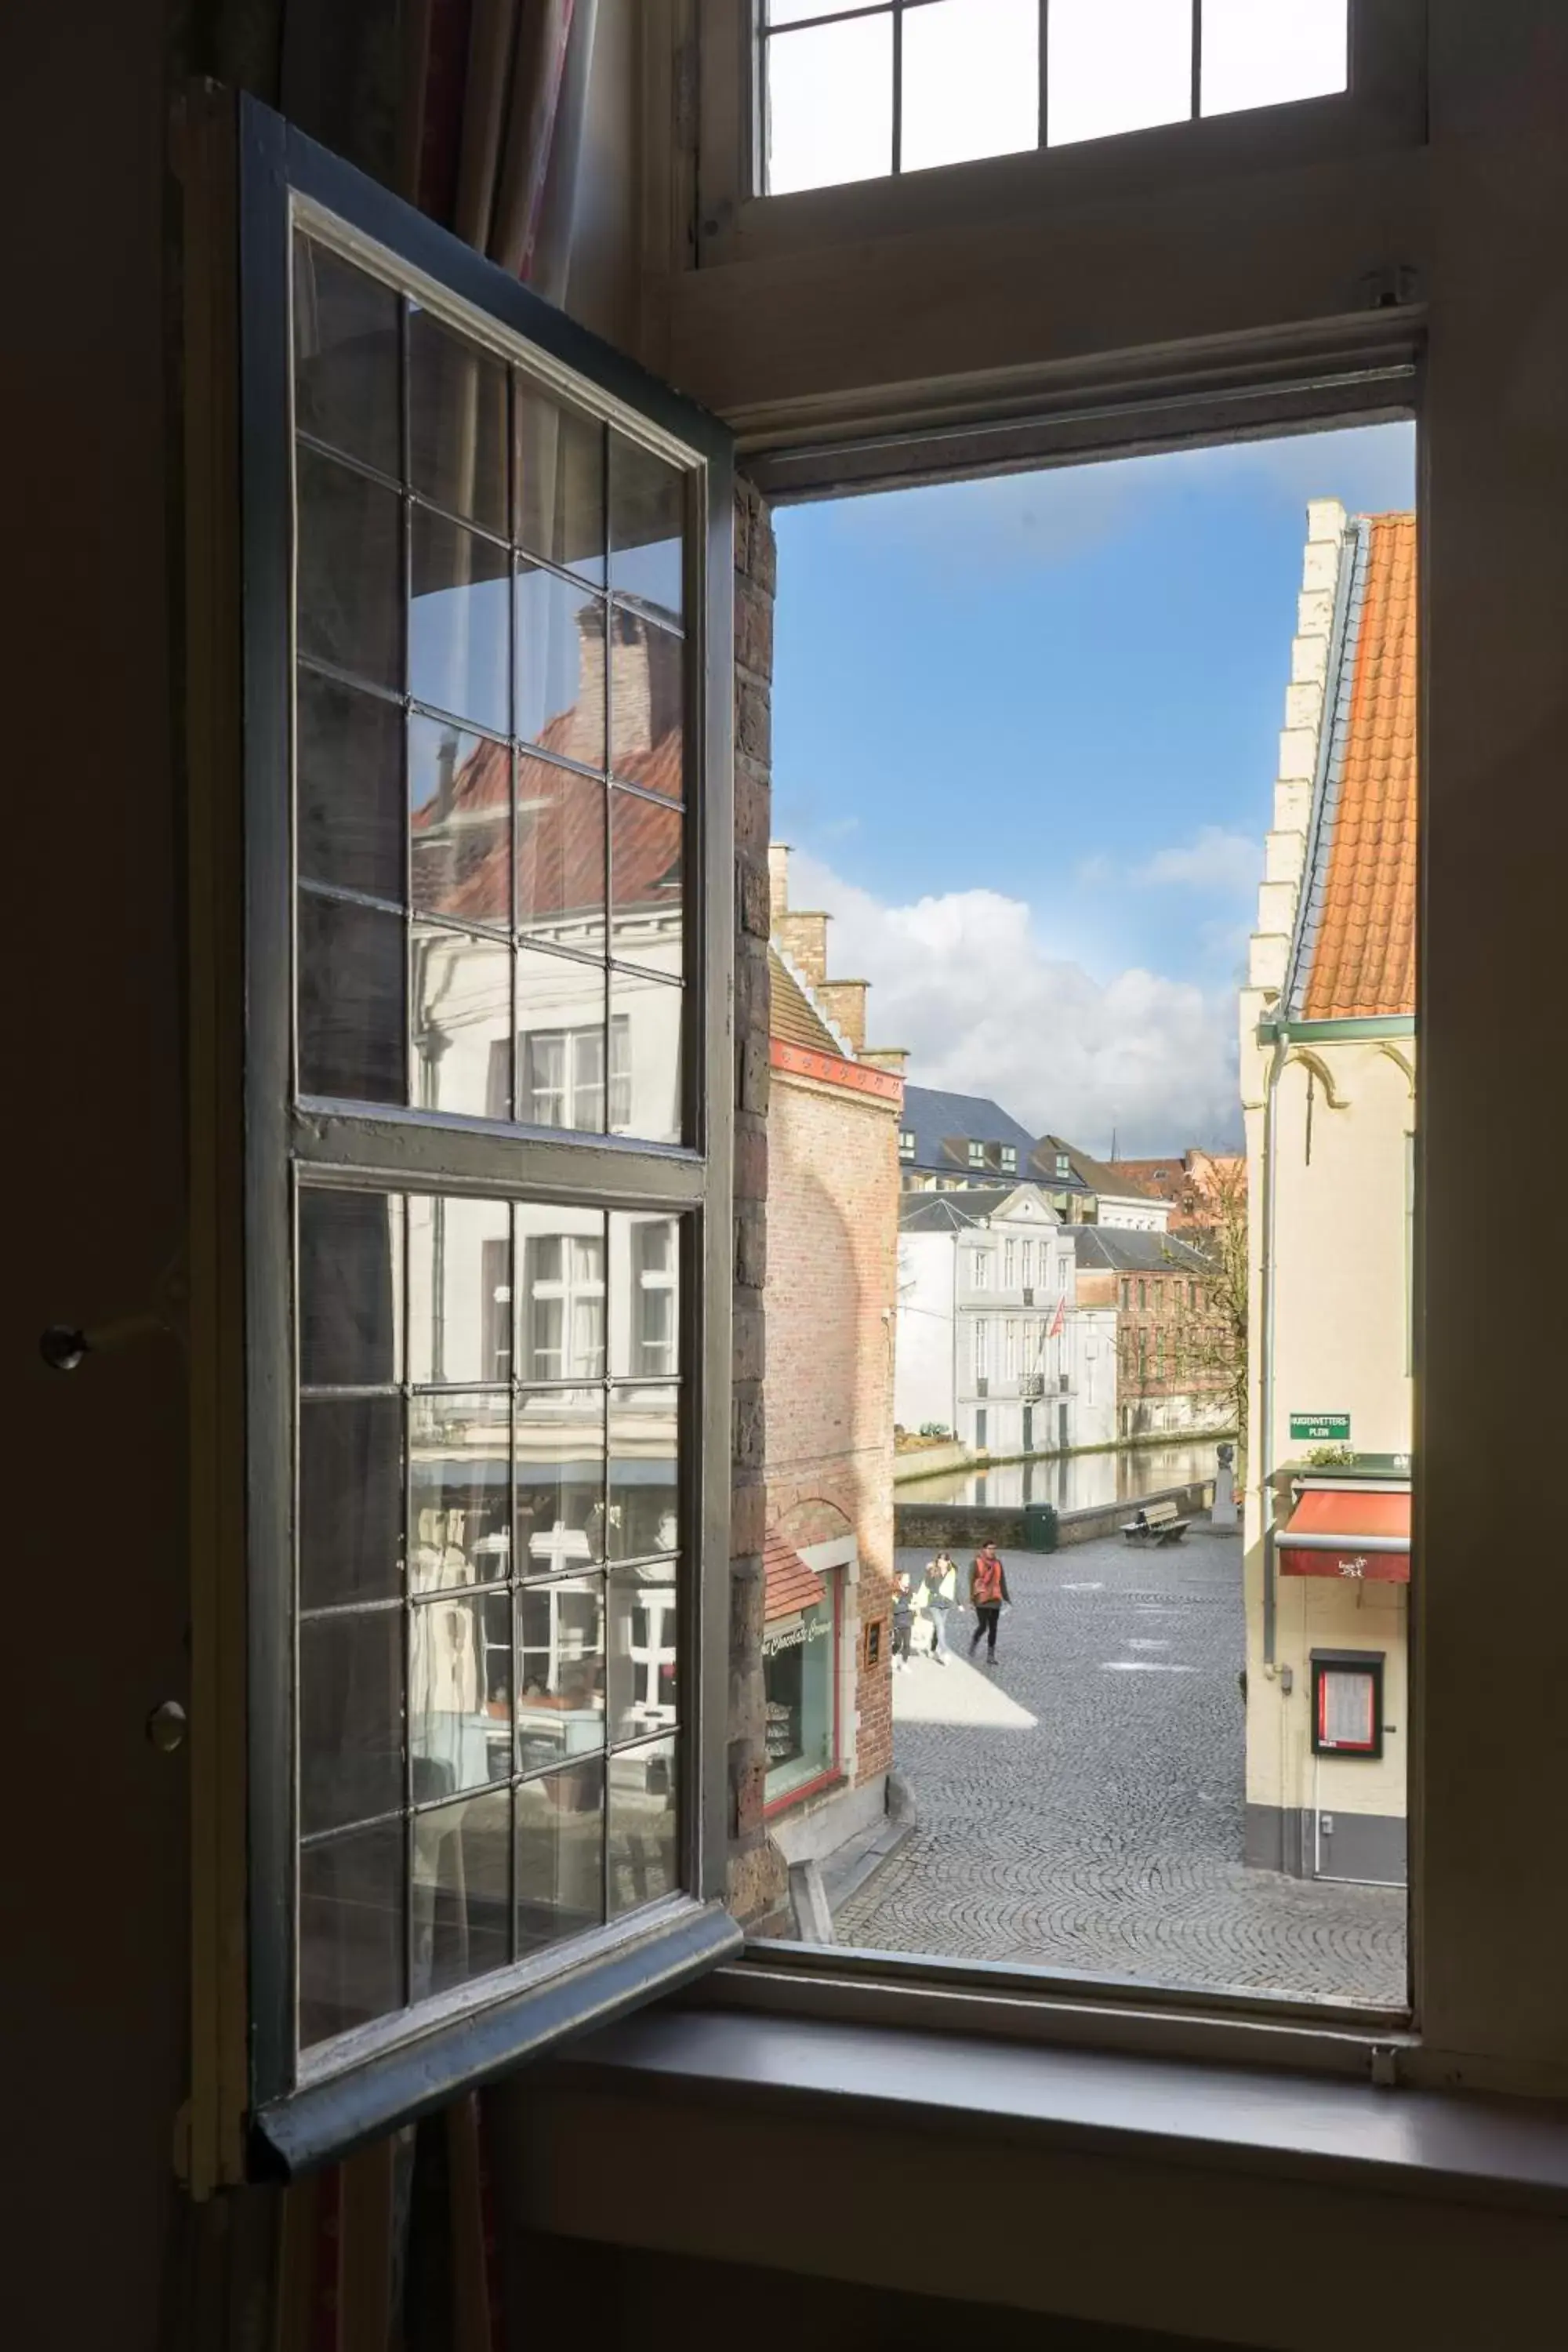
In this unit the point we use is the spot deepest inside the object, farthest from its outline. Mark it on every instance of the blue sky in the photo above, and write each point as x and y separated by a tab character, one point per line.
1032	723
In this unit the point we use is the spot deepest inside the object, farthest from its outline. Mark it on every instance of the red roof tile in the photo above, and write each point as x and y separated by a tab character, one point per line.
1363	957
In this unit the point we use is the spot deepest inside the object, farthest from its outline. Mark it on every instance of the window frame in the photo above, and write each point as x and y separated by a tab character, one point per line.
258	2107
1383	105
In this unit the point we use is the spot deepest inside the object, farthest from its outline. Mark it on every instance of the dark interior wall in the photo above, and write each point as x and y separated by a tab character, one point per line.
95	1967
669	2302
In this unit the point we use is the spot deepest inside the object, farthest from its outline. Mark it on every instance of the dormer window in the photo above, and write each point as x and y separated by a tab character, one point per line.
906	1143
977	1155
1009	1160
1064	1165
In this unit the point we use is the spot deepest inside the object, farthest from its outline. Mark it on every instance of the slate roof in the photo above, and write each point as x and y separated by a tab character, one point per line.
1354	955
944	1124
793	1018
1112	1248
1090	1175
949	1213
788	1583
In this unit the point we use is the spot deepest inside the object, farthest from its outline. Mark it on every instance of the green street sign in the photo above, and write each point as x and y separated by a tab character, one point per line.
1320	1428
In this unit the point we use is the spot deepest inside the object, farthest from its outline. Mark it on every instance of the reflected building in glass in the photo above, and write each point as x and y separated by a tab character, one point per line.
491	761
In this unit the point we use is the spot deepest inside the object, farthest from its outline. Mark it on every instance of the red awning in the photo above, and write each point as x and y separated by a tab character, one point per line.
790	1584
1353	1532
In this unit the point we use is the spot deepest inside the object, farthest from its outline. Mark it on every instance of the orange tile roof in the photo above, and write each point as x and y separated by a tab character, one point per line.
1357	952
790	1584
793	1019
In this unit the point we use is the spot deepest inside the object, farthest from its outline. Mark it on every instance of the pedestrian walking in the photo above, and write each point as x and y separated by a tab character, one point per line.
903	1619
988	1592
941	1592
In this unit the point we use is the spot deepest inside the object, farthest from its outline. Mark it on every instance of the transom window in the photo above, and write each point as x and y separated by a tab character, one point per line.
856	91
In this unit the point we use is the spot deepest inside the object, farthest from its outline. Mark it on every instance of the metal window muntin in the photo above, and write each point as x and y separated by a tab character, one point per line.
1384	104
285	182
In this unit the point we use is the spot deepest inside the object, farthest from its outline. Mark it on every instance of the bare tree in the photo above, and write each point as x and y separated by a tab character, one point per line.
1214	1337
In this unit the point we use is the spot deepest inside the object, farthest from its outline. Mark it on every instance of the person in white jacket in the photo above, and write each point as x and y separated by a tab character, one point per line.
938	1593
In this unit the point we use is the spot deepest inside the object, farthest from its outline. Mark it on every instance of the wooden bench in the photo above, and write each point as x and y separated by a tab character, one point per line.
1160	1521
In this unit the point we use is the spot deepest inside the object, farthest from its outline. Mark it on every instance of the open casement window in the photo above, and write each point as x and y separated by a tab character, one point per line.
464	908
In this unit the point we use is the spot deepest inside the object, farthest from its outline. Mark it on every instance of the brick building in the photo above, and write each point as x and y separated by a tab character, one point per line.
1173	1369
829	1298
1197	1184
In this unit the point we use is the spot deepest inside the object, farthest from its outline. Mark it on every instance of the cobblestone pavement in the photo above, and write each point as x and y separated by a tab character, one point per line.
1104	1835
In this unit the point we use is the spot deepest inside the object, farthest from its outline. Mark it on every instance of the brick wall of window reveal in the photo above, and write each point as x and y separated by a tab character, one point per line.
757	1882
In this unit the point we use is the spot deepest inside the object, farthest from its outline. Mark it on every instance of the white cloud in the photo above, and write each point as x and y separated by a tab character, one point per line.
985	1007
1213	861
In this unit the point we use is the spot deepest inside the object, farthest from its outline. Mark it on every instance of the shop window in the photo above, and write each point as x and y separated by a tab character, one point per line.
800	1680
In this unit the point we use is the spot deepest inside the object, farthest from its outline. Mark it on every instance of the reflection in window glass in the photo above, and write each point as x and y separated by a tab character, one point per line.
560	1855
643	1819
642	1645
457	423
644	1278
560	853
459	1283
461	1893
351	1288
560	1042
644	1078
559	484
647	687
560	666
460	1020
560	1671
455	1710
345	358
459	621
349	795
648	530
459	823
350	589
459	1489
1266	52
508	660
350	1931
560	1508
643	1499
972	81
647	883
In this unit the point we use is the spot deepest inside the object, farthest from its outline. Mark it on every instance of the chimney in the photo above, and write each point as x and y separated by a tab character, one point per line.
844	1002
778	879
644	666
893	1058
804	939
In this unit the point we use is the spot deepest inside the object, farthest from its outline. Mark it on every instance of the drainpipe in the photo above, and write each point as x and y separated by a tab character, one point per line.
1266	1433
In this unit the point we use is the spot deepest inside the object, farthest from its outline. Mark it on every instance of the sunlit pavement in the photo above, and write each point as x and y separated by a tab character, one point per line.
1080	1805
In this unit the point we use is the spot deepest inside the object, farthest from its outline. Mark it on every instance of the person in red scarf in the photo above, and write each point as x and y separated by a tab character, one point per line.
988	1592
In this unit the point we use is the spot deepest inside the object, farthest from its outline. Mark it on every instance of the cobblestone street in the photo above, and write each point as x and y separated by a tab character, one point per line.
1081	1806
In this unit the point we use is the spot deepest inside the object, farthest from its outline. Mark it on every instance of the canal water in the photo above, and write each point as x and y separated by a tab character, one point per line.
1072	1482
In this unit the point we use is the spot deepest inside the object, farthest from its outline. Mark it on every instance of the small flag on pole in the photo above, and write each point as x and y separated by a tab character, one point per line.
1058	1318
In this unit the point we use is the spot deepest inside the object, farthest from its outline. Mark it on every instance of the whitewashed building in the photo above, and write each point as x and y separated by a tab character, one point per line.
992	1341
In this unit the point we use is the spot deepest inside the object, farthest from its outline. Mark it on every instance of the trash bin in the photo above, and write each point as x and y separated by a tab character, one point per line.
1040	1527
